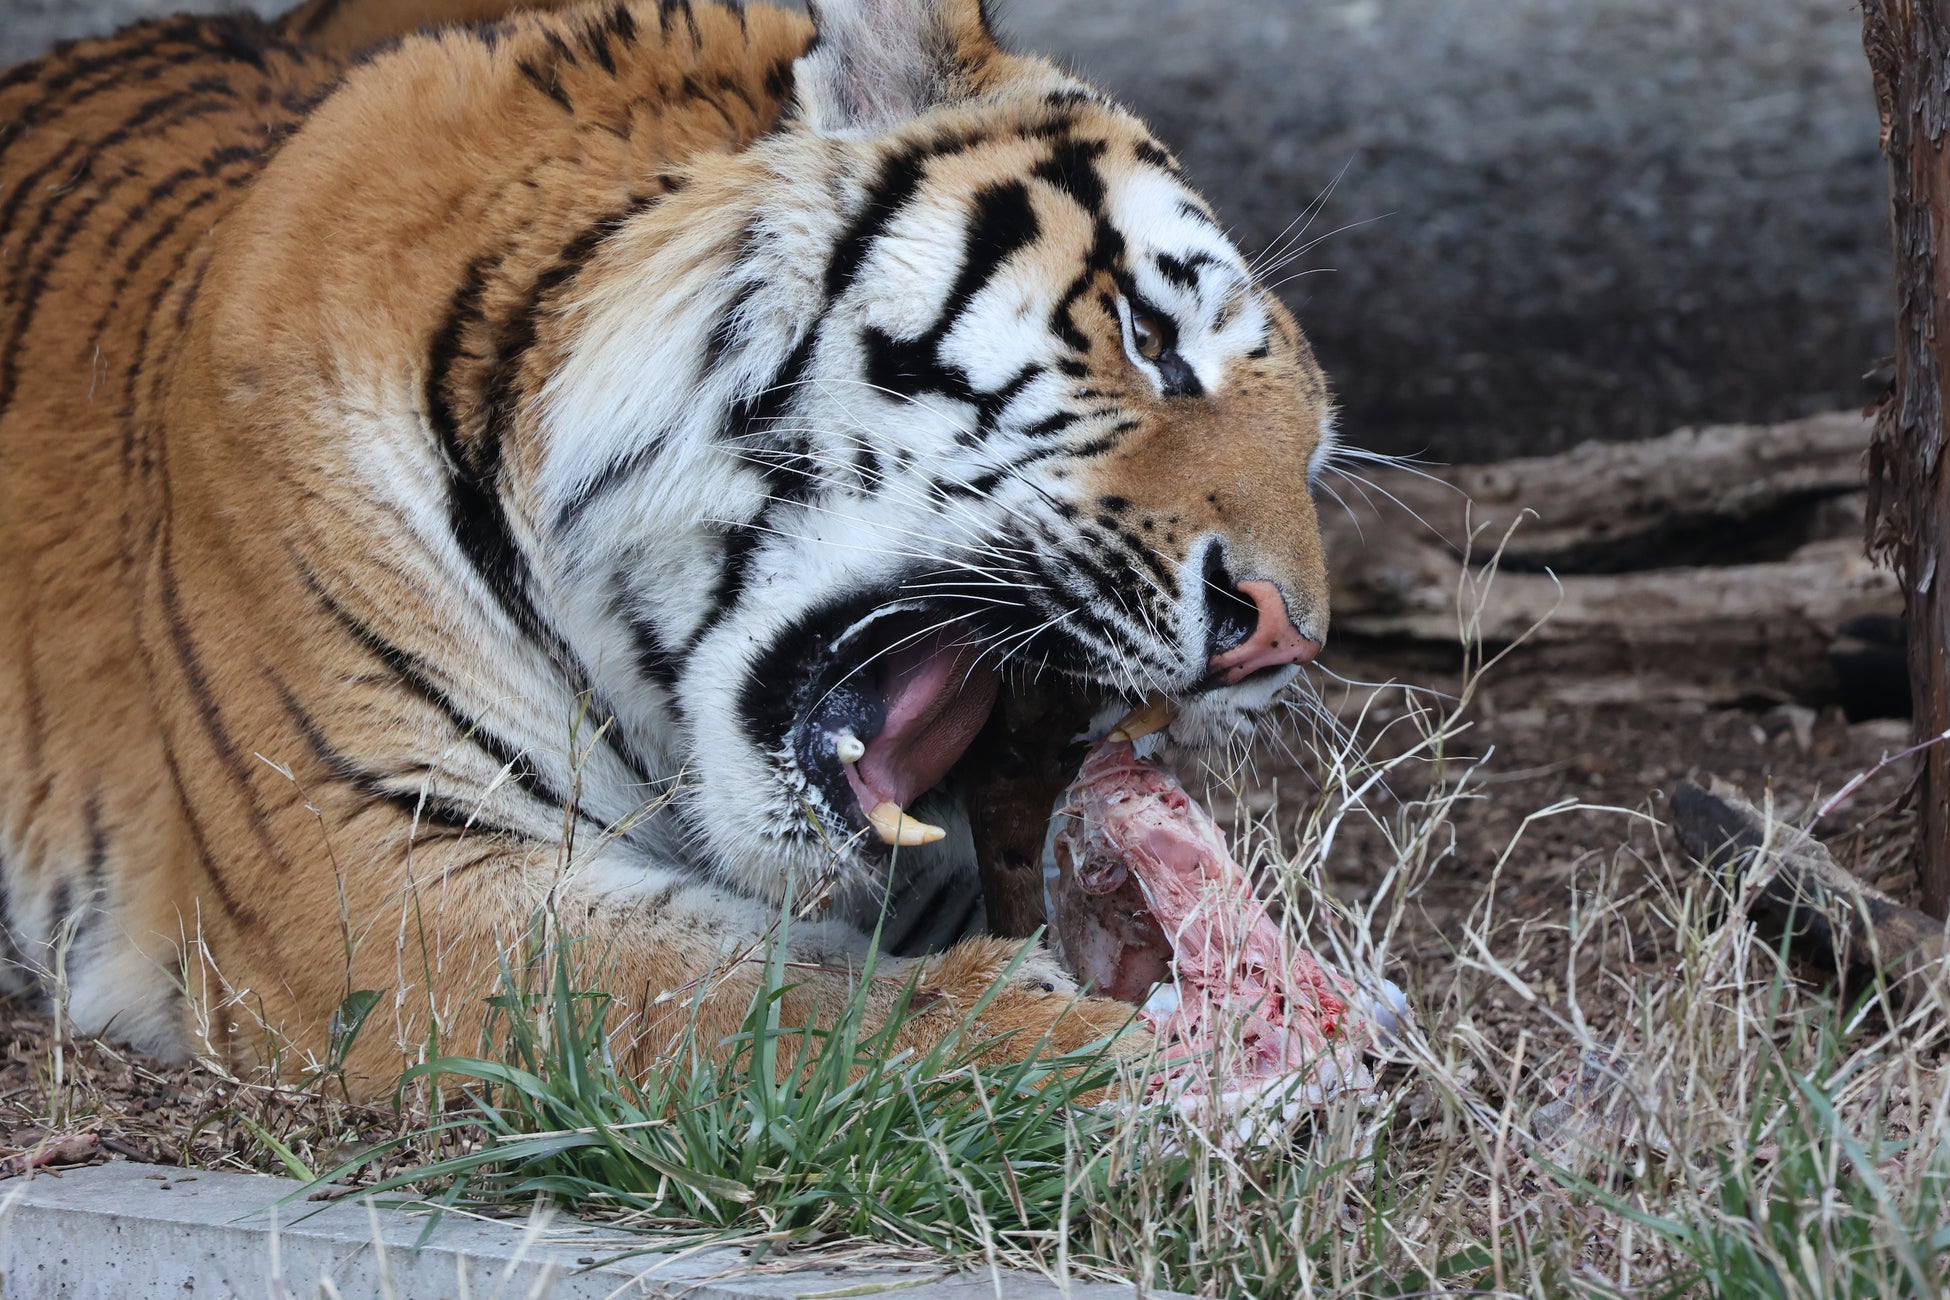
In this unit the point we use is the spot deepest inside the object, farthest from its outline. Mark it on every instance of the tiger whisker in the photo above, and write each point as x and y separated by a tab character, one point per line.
1307	214
1364	484
1286	258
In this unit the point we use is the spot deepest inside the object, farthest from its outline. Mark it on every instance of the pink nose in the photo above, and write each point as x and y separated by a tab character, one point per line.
1274	641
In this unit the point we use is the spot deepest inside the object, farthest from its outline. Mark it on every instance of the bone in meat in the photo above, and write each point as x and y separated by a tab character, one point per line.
1145	889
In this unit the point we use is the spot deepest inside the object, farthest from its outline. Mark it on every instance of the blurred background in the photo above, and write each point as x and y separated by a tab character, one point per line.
1540	221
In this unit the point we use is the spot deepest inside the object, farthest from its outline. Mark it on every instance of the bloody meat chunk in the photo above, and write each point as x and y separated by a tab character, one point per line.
1145	891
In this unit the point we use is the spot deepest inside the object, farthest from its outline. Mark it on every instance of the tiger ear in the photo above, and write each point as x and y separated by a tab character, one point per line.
877	63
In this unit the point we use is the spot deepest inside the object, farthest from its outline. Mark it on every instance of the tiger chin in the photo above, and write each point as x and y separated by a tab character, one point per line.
611	457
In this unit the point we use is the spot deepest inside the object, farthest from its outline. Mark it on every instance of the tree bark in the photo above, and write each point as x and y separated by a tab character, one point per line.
1908	44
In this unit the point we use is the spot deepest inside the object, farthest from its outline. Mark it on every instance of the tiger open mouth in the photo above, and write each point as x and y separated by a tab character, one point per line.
888	708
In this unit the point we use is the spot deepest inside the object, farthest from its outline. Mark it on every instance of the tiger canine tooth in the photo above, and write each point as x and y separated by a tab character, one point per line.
894	826
849	747
1155	714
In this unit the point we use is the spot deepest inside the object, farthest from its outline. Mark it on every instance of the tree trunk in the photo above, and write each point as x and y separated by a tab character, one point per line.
1908	44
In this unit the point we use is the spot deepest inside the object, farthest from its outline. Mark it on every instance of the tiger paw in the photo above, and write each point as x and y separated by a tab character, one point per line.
1033	1007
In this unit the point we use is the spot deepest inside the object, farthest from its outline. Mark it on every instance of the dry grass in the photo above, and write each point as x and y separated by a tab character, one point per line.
1620	1093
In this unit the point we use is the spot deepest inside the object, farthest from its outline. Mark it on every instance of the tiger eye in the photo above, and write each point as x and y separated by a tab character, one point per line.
1150	339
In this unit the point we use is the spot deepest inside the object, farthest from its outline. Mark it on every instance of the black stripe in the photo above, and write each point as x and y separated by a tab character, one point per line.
549	84
753	416
477	516
212	168
1126	561
653	659
595	41
1108	591
693	90
1183	272
563	54
665	8
608	479
1072	168
132	374
778	80
787	478
191	289
136	435
35	182
726	84
449	345
22	73
245	917
1193	212
744	418
414	673
149	120
55	100
895	186
475	513
893	189
622	22
208	712
734	568
724	330
29	294
1003	223
449	817
60	907
97	863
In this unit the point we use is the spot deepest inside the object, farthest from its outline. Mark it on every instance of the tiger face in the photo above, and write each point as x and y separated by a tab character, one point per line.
988	398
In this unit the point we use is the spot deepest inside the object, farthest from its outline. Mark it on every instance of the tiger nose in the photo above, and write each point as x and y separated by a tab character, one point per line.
1269	641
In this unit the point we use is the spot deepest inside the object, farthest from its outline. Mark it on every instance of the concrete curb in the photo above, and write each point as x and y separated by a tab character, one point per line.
124	1230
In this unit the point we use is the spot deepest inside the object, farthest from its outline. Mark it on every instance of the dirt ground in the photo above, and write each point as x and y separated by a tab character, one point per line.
1609	766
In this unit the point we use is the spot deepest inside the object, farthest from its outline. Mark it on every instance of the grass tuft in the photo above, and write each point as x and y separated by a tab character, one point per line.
789	1133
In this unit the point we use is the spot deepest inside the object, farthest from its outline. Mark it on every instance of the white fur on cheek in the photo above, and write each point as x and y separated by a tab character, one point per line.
1329	438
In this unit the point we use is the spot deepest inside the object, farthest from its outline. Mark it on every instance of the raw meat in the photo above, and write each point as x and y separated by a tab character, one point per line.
1142	889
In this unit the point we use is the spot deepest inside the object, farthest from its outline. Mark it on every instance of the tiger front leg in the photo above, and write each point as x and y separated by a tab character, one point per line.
682	962
987	997
1036	1007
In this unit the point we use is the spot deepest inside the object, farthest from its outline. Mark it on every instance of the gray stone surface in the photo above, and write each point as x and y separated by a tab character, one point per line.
120	1231
1564	218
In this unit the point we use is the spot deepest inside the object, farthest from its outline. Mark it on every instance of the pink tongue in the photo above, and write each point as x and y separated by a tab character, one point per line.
938	696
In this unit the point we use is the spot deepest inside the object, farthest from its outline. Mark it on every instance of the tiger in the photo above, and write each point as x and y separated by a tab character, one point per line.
468	461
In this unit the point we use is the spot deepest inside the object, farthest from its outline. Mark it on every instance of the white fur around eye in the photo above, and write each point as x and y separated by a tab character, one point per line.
1130	344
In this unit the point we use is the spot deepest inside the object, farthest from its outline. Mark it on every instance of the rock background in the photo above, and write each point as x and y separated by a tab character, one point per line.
1553	219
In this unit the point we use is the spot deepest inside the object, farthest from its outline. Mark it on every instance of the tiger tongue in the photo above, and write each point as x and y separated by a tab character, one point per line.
938	695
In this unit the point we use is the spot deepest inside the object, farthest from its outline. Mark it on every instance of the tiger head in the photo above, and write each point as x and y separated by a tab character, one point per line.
948	384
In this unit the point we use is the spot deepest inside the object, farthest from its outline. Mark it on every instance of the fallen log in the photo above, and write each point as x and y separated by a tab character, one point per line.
1826	916
1730	555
